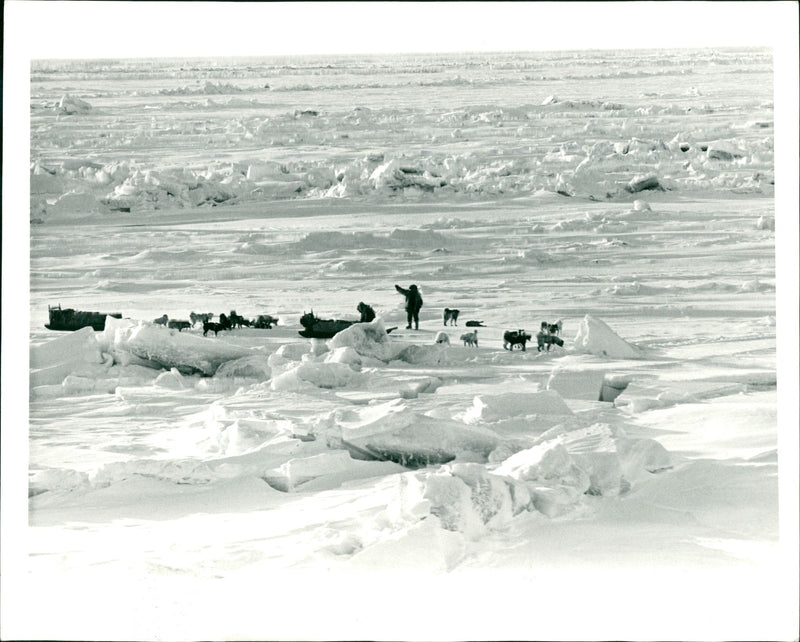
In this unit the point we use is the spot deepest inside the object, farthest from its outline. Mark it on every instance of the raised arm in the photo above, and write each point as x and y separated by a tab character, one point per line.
402	291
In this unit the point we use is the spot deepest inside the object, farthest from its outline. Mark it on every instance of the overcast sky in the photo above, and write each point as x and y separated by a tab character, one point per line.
143	29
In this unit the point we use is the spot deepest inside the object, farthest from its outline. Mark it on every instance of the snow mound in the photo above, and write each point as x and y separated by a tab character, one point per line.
595	337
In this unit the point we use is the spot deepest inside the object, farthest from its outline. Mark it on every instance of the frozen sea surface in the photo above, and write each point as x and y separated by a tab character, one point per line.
627	194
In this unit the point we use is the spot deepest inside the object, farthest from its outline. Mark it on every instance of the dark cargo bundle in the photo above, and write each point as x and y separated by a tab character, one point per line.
316	328
69	319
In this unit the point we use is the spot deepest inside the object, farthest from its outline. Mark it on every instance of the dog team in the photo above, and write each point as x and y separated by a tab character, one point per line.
547	336
226	322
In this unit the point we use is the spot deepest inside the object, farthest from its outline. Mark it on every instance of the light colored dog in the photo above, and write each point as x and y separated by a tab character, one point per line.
442	338
204	317
552	328
470	339
451	316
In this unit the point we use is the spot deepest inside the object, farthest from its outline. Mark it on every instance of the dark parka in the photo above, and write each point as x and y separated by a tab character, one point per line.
413	298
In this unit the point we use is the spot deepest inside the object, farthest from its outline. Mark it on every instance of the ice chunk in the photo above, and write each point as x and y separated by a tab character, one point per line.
260	171
71	105
464	497
172	379
553	479
595	337
495	407
765	223
612	386
252	367
435	355
576	384
368	340
293	351
346	355
75	203
422	385
173	349
412	439
73	353
449	499
326	375
642	183
643	395
319	374
293	474
108	337
605	472
638	455
56	479
247	434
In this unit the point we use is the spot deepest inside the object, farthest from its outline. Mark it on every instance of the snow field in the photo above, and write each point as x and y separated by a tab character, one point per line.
632	471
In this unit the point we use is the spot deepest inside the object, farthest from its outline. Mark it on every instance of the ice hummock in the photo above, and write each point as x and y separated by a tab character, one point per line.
596	337
173	349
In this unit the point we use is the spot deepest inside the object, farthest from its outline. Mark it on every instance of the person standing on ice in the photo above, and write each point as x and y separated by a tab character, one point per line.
413	304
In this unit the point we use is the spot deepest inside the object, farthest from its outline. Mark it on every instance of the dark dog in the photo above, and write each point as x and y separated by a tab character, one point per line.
545	339
178	325
515	337
236	320
209	326
265	321
552	328
225	322
451	316
161	320
366	311
475	324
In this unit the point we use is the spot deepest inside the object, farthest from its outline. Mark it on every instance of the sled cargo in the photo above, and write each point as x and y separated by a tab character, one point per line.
324	329
70	320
